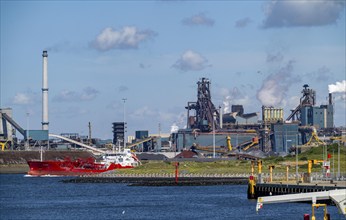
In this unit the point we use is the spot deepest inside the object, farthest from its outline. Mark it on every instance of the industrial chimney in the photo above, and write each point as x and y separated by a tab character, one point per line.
330	99
45	91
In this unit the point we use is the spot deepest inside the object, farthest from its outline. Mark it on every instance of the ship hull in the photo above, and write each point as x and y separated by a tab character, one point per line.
69	168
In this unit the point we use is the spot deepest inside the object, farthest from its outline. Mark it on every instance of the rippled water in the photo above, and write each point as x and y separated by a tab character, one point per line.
48	198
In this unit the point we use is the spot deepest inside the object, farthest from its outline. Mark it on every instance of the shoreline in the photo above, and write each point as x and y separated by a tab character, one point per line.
14	169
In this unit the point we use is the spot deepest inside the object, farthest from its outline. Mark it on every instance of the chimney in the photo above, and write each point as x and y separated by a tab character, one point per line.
330	99
45	91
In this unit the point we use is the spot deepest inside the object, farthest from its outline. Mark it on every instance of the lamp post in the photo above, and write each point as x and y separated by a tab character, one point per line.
297	176
214	135
338	178
124	100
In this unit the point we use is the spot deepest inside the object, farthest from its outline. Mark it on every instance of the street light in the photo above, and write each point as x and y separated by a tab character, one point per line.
297	164
214	135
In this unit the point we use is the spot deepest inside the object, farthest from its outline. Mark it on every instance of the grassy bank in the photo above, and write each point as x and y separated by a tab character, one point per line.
237	166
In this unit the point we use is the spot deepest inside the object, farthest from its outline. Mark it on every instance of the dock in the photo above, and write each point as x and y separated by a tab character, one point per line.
283	188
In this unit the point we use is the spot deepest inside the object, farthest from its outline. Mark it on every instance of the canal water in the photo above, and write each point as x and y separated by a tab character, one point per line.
49	198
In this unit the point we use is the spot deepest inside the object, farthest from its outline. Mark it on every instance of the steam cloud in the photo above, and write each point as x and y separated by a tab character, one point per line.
274	87
337	87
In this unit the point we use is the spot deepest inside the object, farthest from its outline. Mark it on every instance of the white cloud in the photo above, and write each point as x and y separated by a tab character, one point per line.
199	19
302	13
87	94
191	61
22	99
26	98
128	37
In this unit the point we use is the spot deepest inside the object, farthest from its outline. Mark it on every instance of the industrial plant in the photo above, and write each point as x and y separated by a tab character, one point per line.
209	131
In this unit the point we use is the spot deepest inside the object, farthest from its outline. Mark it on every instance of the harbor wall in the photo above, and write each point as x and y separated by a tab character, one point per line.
271	189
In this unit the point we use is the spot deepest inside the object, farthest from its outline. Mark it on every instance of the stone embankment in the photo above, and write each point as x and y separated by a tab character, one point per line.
162	179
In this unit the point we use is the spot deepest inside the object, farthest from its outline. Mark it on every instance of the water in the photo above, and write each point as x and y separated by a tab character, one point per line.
48	198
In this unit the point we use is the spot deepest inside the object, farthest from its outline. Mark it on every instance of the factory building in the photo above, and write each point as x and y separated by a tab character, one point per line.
284	137
319	117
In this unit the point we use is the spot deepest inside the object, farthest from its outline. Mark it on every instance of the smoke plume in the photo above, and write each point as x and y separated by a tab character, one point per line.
275	86
337	87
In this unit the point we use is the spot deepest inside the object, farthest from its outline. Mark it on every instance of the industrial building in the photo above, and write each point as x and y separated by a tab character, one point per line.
207	128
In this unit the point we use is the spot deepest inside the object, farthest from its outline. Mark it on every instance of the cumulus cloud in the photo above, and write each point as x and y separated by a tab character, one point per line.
87	94
199	19
191	61
241	23
274	88
302	13
25	98
22	99
128	37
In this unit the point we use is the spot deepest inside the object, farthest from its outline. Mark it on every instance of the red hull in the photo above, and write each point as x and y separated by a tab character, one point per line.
69	168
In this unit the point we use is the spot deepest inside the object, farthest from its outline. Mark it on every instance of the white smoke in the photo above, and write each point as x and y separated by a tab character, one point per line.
274	88
174	128
337	87
227	104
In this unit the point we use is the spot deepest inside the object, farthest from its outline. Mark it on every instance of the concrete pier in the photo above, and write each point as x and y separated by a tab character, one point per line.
281	188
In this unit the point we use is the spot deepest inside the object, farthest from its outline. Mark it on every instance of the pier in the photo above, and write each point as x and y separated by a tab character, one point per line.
268	189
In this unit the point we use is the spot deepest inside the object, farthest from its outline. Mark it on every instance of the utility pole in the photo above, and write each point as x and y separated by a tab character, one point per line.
214	136
339	160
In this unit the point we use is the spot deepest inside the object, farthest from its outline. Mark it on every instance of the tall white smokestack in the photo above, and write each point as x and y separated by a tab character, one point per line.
45	91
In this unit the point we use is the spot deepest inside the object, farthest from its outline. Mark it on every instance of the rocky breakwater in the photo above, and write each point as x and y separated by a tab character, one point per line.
15	161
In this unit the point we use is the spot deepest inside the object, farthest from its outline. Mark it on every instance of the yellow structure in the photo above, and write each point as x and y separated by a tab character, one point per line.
253	143
271	167
229	145
325	212
3	145
259	164
314	139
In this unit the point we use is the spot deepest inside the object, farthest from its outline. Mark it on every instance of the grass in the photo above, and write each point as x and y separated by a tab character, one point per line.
238	166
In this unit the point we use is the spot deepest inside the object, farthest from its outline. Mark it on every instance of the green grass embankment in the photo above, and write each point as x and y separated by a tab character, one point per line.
240	167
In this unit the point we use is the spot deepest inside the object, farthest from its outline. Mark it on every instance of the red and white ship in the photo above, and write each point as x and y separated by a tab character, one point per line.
67	167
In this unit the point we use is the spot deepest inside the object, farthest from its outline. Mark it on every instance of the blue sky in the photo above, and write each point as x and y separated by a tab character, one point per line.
153	52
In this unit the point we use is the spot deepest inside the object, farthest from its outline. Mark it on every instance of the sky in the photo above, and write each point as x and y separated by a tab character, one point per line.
152	53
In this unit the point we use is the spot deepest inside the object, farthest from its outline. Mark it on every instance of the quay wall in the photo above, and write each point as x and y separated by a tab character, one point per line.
268	189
